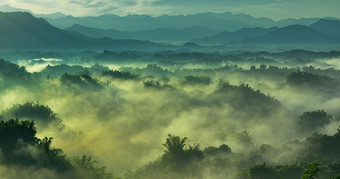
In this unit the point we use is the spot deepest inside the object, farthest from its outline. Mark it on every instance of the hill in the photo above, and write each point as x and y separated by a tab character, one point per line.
323	32
215	21
239	35
22	31
156	35
294	34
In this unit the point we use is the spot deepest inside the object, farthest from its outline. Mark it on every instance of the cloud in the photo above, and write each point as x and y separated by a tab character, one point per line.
83	8
276	9
225	2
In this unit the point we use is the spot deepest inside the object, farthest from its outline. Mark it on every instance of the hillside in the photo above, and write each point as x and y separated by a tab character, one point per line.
155	35
21	30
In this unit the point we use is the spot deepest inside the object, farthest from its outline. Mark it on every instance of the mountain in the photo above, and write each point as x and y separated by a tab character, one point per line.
322	32
239	35
214	21
294	34
155	35
99	33
23	31
51	16
302	21
8	8
329	28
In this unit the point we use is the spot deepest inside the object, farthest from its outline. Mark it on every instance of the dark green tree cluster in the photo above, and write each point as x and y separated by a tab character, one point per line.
82	81
323	146
7	68
243	97
312	171
17	138
14	75
311	80
87	169
119	75
319	158
196	80
58	70
264	171
157	85
42	115
20	147
178	153
309	122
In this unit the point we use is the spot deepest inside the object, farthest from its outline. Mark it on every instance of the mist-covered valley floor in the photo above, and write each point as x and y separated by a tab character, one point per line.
126	114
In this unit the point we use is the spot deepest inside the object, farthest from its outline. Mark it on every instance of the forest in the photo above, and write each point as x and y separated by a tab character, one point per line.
170	114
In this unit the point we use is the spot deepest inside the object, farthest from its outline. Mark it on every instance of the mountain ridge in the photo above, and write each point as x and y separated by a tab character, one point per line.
323	31
215	21
23	31
165	35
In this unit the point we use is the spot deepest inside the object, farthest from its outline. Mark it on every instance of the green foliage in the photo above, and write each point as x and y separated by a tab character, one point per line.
13	75
196	80
19	136
261	172
311	80
178	154
7	68
289	171
52	157
330	170
13	130
42	115
336	177
310	121
156	85
244	98
82	81
119	75
247	92
264	171
223	149
59	70
87	168
312	171
323	146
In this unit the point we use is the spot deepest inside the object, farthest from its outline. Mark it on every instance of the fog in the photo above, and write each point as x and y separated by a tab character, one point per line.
122	118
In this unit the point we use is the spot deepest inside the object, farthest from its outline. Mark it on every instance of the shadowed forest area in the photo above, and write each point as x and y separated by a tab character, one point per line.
128	114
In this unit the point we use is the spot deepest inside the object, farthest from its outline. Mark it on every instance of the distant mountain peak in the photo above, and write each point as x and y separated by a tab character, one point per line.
18	14
23	31
55	15
328	27
327	21
8	8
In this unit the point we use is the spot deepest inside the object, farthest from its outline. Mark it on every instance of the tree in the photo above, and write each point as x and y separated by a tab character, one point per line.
312	171
17	136
261	172
223	149
52	157
42	115
178	154
87	168
14	130
310	121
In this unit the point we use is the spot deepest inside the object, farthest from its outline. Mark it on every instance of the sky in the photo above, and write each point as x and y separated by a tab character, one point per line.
275	9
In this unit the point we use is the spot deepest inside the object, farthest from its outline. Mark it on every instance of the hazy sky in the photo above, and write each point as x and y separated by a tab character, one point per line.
275	9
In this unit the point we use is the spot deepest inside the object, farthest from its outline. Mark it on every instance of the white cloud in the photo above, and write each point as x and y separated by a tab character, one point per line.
276	9
84	7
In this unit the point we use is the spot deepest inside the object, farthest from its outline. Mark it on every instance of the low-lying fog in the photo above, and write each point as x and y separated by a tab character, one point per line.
121	113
